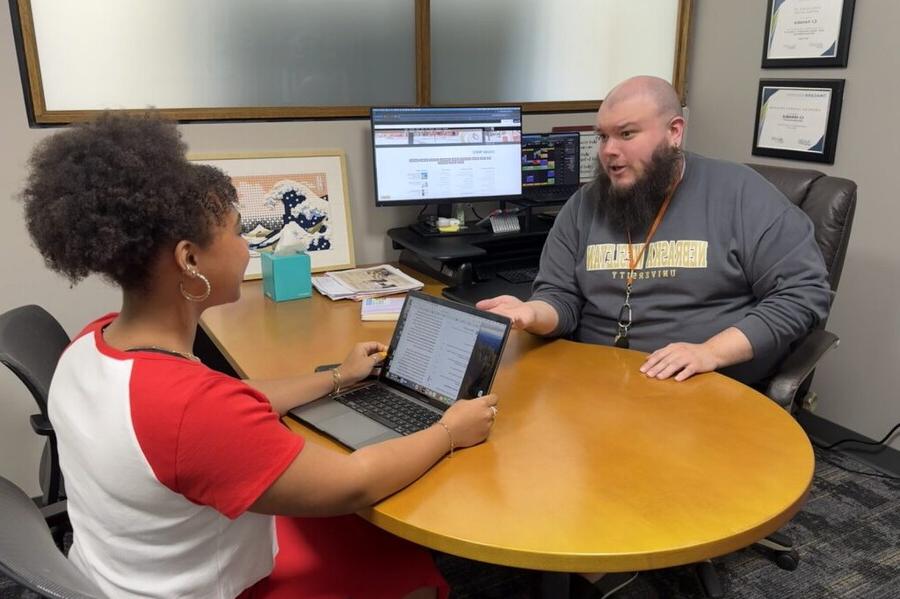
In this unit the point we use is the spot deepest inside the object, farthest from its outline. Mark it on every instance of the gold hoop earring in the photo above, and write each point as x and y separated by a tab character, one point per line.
191	297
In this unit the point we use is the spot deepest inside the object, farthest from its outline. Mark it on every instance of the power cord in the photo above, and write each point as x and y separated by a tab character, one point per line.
883	440
874	474
842	441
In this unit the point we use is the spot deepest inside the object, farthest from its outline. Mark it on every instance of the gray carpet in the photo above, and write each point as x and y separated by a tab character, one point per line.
848	536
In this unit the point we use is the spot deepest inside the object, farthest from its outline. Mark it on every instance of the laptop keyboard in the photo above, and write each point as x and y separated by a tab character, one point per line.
518	275
390	409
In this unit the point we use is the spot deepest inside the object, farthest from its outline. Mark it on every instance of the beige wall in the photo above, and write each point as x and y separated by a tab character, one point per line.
857	383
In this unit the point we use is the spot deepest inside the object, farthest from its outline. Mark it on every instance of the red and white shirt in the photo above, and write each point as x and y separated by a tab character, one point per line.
162	457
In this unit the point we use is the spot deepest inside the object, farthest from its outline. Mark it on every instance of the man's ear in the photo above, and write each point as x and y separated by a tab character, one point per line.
675	131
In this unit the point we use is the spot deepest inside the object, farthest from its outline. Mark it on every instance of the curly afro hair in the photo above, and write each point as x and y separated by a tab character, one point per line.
107	196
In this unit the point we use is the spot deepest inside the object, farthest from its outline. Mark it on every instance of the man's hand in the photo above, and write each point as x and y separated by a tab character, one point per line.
522	314
683	360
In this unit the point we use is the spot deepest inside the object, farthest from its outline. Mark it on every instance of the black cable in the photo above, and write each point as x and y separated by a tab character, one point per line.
874	443
475	212
883	440
419	216
876	474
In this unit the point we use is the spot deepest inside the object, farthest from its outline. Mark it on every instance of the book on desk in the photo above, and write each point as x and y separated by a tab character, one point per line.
381	308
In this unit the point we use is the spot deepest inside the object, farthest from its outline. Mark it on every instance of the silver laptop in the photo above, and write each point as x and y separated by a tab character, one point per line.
441	351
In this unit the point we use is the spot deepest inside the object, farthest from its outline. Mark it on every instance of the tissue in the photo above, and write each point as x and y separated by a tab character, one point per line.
293	240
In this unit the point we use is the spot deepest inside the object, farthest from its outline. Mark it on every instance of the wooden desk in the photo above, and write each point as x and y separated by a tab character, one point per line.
590	467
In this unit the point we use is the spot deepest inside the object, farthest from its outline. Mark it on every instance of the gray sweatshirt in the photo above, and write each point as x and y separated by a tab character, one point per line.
731	250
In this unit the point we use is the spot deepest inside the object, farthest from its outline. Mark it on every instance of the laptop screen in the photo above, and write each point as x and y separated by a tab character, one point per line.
550	159
445	351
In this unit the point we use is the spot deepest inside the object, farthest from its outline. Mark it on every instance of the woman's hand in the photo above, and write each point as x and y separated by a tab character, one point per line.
361	360
470	420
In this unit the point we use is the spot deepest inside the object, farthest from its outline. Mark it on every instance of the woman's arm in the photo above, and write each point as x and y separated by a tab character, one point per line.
288	393
321	482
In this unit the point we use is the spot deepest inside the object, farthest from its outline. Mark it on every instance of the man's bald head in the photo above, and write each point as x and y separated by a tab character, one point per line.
640	128
657	90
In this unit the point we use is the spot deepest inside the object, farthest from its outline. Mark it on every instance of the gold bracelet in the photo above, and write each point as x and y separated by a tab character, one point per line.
449	436
336	380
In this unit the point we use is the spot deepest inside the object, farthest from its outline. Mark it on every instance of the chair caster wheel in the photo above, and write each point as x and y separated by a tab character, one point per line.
788	560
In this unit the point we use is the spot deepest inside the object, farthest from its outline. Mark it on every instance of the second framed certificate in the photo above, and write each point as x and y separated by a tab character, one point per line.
798	118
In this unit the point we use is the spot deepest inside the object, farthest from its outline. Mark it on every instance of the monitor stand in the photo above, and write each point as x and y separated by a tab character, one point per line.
428	228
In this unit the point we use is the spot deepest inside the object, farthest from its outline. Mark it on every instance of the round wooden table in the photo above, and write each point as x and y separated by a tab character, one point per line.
590	466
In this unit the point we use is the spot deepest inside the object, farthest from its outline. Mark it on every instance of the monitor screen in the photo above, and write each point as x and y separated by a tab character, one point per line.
445	351
445	155
550	159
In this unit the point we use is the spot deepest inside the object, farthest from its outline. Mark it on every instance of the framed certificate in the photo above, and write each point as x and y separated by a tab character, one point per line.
798	118
807	33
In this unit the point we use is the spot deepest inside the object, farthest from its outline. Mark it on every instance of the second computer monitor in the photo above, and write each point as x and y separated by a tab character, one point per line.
550	159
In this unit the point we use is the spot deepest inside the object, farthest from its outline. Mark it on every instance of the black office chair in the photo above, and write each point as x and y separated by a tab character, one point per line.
830	202
31	342
28	553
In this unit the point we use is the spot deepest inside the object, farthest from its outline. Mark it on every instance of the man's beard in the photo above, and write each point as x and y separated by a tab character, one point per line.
631	209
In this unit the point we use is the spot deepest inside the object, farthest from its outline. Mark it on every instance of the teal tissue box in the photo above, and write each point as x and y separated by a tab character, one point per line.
286	277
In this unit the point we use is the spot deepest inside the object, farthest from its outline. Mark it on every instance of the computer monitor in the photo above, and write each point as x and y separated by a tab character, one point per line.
446	155
550	159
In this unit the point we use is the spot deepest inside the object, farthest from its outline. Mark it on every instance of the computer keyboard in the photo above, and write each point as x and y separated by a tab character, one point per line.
550	194
390	409
518	275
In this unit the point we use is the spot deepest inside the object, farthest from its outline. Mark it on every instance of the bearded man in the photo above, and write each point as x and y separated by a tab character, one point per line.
702	262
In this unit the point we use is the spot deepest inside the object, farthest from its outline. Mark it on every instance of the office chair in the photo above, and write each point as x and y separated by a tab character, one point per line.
28	554
830	203
31	342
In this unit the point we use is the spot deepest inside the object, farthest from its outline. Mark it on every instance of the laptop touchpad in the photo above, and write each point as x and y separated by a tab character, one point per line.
356	430
320	411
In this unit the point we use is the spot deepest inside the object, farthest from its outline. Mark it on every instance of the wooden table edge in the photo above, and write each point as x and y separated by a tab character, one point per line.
559	562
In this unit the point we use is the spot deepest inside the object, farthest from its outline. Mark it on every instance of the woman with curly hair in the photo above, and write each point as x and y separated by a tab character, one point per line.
173	471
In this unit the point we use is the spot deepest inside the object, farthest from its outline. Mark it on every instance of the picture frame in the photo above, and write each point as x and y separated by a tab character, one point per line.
798	119
807	33
301	195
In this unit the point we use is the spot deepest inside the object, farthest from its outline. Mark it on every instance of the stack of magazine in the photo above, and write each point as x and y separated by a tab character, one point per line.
360	283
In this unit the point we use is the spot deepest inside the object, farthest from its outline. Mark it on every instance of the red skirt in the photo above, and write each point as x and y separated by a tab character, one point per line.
344	558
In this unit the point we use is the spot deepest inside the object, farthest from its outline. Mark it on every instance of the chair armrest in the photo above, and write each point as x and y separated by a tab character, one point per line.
57	514
798	365
41	425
